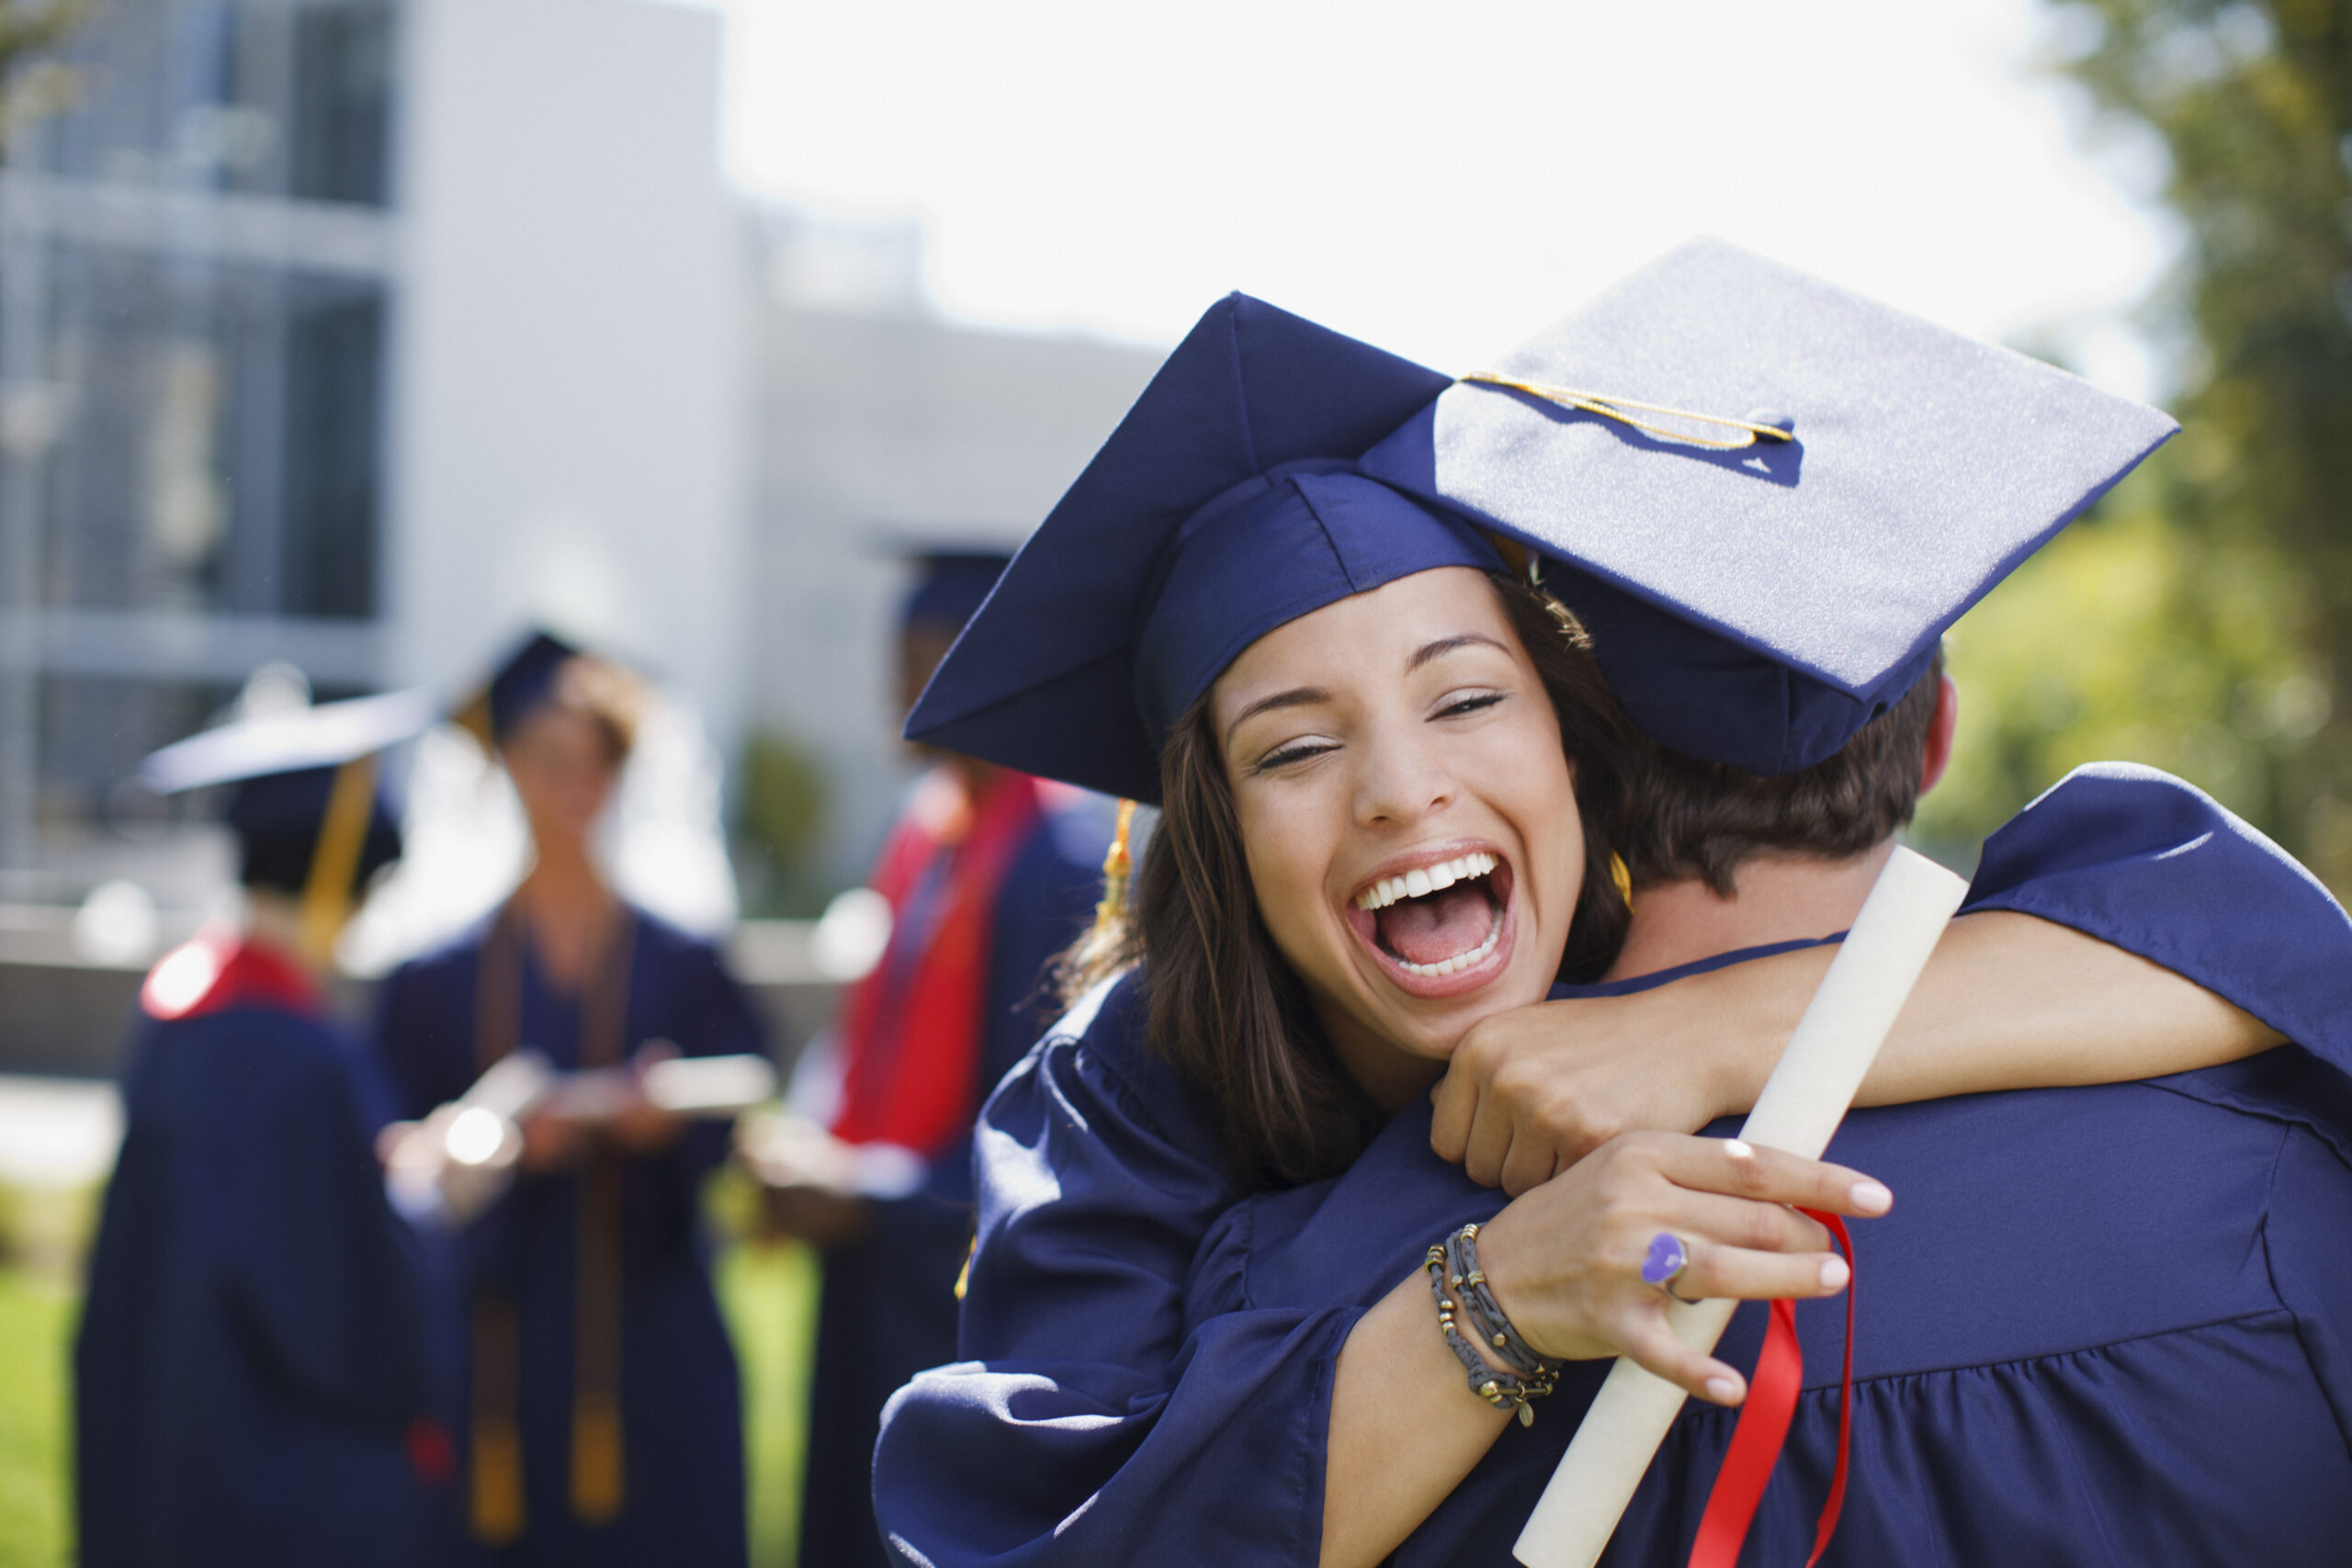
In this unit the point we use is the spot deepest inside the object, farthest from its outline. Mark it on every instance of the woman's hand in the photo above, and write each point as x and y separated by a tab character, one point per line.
1565	1261
1529	1092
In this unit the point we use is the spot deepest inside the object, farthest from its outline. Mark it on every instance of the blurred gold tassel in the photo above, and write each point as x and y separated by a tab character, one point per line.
334	859
497	1481
595	1458
1116	867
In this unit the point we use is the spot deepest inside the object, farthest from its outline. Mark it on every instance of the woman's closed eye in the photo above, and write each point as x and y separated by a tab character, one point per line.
1461	705
1293	751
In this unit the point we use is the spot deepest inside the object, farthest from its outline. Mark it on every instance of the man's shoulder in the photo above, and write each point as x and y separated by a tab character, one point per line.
2050	1222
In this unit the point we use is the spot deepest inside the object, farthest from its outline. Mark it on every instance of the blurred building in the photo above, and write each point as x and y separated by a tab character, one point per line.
345	333
880	428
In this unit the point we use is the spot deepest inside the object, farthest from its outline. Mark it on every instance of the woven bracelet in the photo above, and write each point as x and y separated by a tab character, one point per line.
1504	1391
1493	1330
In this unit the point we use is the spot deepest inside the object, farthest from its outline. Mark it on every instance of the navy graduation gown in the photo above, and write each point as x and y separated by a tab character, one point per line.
680	1394
1101	1415
888	1306
252	1352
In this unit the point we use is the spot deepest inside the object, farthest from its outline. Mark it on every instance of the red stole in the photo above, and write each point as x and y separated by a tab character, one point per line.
911	1028
221	969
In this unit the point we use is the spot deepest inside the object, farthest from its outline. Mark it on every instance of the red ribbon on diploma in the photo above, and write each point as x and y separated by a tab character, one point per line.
1763	1427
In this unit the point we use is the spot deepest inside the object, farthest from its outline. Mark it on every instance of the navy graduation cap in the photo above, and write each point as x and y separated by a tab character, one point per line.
522	680
307	810
1224	505
1770	496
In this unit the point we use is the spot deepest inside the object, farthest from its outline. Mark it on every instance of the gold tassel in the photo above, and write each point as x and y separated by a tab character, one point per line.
595	1458
497	1482
495	1476
1112	909
1622	877
334	859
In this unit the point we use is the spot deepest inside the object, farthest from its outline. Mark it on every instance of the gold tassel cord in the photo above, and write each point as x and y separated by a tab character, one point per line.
1116	869
334	859
495	1473
595	1458
1611	407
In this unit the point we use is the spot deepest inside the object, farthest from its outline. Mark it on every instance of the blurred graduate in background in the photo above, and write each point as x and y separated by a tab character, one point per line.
600	1414
988	875
250	1369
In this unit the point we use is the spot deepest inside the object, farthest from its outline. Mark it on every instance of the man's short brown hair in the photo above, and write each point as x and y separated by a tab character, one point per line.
1691	818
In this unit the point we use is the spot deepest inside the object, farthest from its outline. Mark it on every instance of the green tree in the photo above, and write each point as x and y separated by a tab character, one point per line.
2203	620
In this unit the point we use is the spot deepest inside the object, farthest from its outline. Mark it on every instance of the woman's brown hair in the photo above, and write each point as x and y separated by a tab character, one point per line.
1227	1009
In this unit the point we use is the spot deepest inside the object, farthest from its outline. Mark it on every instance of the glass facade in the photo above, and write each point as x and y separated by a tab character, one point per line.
192	383
289	98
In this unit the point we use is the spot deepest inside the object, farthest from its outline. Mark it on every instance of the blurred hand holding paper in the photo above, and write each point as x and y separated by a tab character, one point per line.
461	1159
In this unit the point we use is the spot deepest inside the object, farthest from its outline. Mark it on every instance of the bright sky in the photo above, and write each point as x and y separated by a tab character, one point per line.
1444	179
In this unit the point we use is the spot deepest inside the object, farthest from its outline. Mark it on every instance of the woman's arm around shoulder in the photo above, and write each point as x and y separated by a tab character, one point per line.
2124	926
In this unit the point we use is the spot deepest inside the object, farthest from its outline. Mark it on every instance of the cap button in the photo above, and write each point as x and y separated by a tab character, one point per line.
1771	417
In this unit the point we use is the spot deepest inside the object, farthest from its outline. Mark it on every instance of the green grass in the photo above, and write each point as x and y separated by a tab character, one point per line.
36	1318
769	1293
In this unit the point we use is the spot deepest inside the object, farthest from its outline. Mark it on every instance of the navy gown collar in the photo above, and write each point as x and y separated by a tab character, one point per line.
1626	987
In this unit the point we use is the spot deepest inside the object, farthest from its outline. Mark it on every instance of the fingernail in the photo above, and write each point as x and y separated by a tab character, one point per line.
1834	1273
1722	1390
1871	1198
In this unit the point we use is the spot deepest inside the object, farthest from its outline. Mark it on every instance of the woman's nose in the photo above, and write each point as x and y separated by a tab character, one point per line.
1400	782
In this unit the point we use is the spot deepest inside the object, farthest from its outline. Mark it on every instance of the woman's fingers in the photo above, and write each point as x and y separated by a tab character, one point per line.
1736	1272
1532	1162
1737	1222
1768	1176
1654	1348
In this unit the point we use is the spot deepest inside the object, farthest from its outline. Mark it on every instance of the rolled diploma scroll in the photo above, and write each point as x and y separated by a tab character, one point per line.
1802	1104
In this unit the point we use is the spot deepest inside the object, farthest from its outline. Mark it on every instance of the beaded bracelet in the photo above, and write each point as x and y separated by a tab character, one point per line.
1486	1313
1504	1391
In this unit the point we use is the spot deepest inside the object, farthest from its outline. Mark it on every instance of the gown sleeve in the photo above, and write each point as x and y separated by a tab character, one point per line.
424	1036
2155	866
1086	1425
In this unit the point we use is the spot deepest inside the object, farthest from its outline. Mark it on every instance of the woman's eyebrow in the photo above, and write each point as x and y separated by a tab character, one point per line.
1297	698
1446	645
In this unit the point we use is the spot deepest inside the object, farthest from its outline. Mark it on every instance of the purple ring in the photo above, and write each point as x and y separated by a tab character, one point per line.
1667	1257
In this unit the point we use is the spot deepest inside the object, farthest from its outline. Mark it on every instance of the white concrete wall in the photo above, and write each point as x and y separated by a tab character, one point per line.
873	431
569	390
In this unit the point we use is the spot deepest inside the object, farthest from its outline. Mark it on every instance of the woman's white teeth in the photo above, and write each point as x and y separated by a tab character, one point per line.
1460	961
1424	880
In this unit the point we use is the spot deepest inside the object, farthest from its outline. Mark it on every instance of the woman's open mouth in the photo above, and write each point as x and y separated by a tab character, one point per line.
1442	929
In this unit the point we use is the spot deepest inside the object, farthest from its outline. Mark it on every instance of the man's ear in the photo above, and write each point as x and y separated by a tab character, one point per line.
1946	719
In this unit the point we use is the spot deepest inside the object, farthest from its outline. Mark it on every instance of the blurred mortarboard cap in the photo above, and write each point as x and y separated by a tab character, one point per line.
285	768
522	680
294	741
951	583
1224	505
1756	605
